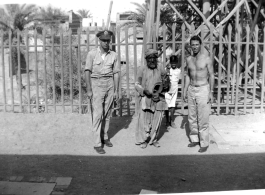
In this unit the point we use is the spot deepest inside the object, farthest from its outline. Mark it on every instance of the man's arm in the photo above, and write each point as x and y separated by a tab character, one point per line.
138	84
211	79
116	84
88	82
187	82
88	70
116	75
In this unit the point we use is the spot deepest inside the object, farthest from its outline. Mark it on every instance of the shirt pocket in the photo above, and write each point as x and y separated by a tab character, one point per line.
96	62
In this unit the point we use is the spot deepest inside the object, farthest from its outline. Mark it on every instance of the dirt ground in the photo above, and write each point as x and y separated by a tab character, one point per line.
61	145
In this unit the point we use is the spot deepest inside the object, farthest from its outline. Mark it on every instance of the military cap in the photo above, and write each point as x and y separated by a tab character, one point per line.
151	53
104	35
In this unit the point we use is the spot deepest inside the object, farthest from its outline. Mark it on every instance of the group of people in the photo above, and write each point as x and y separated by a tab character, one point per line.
157	91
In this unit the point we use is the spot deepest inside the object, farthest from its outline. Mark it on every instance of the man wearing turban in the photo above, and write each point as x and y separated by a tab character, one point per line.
150	87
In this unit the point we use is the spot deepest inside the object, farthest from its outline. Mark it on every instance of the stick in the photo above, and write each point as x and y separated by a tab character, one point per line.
108	20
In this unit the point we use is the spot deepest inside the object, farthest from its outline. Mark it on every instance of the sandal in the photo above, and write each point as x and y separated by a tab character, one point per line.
143	145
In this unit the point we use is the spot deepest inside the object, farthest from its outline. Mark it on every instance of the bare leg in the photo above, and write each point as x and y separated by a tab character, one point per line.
167	117
172	111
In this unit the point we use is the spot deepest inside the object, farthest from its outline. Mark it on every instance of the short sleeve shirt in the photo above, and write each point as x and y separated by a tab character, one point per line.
102	67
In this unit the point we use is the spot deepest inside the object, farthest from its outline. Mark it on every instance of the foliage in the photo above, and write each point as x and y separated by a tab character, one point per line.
50	18
137	17
84	13
63	64
15	18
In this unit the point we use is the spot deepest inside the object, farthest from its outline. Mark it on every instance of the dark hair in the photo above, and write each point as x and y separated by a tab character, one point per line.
196	38
173	59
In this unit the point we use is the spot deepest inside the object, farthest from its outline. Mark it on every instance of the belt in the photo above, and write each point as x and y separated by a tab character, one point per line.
199	85
102	77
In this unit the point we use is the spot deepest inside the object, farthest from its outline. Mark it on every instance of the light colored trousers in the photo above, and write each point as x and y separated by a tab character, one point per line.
199	112
103	90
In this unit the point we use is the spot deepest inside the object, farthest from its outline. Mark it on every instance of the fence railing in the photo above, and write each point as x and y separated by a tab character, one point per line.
45	73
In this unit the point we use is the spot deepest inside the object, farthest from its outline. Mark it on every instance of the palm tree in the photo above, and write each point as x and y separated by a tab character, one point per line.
137	17
15	18
50	17
84	13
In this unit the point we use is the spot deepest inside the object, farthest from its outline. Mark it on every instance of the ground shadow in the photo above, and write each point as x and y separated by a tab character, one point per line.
131	174
185	125
117	124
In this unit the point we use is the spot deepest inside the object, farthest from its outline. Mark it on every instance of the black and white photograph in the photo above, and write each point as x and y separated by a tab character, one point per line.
112	97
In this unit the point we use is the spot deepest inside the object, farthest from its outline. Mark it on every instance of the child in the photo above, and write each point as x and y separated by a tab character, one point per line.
171	95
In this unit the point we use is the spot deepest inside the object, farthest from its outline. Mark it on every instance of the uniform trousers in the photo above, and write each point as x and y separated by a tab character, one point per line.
199	111
103	90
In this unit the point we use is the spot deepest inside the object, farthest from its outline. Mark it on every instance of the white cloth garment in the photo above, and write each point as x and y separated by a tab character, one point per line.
172	94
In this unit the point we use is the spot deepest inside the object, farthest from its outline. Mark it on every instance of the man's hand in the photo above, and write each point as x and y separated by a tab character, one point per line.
90	94
210	98
147	93
116	96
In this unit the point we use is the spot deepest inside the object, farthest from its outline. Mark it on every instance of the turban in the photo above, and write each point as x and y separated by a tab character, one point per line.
151	53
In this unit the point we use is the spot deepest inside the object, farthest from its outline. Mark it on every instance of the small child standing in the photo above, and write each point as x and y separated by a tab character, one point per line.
171	95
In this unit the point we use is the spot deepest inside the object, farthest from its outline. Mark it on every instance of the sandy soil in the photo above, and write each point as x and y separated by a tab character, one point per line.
61	145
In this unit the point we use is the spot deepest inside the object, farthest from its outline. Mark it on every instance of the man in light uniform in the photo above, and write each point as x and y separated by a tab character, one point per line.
199	85
102	74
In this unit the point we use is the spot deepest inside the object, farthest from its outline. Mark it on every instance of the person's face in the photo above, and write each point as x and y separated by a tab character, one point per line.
195	46
151	62
174	65
105	44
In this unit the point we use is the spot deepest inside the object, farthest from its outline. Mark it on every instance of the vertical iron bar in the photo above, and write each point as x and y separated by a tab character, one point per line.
228	69
127	71
237	67
11	70
119	62
28	77
53	73
255	69
62	69
135	64
45	69
79	70
219	68
19	71
71	69
262	76
3	69
246	71
174	38
36	70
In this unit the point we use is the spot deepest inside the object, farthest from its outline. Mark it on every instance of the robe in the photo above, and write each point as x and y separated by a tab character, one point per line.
149	113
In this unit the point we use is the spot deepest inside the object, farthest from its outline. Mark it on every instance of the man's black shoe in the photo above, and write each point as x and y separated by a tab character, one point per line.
107	143
100	150
193	144
203	149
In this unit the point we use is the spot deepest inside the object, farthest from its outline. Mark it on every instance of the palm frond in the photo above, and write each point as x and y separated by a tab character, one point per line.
131	23
4	26
141	7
